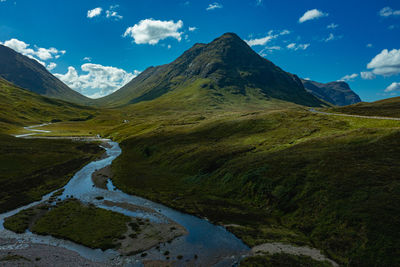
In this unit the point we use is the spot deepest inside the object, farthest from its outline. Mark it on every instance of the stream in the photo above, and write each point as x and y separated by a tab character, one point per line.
213	245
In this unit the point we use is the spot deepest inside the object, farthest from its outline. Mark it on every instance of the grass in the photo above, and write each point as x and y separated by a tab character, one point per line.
19	222
272	171
282	260
31	168
387	108
83	224
287	176
20	107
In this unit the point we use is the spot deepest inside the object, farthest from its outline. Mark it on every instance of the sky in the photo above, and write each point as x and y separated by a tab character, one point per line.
97	46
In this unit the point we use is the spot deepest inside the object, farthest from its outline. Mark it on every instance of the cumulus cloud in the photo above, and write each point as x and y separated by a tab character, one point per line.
367	75
88	59
393	87
98	81
37	53
369	45
266	39
312	14
213	6
94	12
332	26
388	11
150	31
386	63
192	29
295	47
348	78
112	13
51	66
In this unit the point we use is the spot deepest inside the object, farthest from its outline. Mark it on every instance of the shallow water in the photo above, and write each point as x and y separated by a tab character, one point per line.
212	244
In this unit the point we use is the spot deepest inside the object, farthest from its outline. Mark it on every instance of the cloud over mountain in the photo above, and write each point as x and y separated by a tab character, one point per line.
150	31
98	81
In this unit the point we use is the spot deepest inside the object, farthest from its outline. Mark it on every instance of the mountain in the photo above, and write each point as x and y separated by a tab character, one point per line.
227	66
20	107
336	93
386	108
30	74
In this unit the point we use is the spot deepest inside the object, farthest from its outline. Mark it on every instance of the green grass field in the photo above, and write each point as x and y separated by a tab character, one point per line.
288	176
83	224
270	170
31	168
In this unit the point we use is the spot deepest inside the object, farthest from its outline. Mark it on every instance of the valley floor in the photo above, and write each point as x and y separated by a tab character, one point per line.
282	176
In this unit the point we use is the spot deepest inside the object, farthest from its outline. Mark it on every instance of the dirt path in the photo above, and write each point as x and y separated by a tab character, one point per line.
354	116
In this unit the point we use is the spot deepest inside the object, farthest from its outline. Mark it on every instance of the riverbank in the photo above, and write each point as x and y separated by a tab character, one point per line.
14	252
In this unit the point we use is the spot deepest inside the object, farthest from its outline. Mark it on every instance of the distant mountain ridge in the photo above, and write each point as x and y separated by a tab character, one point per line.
228	63
31	75
337	93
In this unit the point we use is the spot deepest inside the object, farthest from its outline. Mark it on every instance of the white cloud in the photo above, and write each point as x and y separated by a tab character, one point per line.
88	59
388	11
332	26
99	80
259	2
386	63
213	6
312	14
266	39
393	87
94	12
37	53
349	77
112	13
51	66
150	31
192	29
369	45
367	75
295	47
331	37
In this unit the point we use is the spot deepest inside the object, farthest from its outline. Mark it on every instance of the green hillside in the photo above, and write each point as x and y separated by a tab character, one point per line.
228	64
387	108
31	75
20	107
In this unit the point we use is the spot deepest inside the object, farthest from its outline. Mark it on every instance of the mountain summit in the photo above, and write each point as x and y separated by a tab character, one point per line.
31	75
227	65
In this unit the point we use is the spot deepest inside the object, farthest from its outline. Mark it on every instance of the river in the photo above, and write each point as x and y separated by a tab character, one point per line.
213	245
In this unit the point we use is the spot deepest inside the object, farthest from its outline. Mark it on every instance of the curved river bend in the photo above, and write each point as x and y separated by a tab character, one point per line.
214	245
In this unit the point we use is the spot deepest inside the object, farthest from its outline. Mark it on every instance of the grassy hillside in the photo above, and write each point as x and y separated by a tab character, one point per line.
283	175
33	76
387	108
20	107
229	65
31	168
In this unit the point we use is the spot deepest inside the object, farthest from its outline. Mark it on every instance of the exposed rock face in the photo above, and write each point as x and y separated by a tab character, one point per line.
336	93
229	63
31	75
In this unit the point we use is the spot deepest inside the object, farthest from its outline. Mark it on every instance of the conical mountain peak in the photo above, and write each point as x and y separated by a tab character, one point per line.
230	66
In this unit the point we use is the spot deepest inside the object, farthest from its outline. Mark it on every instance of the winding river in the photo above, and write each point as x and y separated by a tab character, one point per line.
214	245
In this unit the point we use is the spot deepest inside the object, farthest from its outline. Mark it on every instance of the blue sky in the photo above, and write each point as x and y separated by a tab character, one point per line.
98	45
